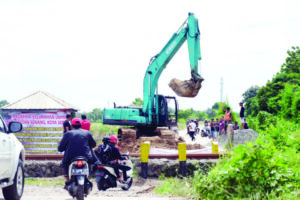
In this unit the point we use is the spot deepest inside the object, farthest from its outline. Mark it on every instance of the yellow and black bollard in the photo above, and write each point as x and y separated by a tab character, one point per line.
145	149
215	147
182	158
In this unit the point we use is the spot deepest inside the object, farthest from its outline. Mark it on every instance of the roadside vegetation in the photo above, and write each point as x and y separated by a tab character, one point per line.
57	181
100	130
269	168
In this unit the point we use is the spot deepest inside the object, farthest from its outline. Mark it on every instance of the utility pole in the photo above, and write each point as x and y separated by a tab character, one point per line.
221	92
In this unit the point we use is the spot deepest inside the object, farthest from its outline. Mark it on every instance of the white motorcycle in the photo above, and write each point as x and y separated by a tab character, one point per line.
79	185
106	177
205	132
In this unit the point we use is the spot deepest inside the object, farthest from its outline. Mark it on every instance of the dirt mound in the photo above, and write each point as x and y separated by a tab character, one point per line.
164	139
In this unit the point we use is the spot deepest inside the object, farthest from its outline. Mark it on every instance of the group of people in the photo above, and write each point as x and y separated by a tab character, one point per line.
218	126
78	141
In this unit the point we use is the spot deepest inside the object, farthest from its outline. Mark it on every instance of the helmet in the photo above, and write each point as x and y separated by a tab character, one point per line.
76	121
113	139
106	140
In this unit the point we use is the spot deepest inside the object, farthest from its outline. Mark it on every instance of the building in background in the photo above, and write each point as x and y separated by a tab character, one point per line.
42	116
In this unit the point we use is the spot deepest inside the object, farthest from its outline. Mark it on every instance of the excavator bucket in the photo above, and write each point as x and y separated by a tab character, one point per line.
188	88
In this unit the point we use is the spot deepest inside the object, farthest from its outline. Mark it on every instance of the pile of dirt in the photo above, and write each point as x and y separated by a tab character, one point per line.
164	139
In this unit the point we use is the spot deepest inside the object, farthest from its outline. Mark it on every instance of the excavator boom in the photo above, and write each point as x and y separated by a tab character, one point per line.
157	110
188	31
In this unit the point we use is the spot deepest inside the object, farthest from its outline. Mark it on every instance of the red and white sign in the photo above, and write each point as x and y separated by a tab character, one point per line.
41	130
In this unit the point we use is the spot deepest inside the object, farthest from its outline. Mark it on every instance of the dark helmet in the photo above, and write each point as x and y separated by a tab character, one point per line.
106	140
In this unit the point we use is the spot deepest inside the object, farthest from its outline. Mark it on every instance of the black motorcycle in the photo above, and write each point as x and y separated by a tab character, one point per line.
106	177
79	184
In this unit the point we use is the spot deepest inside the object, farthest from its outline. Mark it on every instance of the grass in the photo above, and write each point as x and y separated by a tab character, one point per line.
57	181
174	186
181	125
100	130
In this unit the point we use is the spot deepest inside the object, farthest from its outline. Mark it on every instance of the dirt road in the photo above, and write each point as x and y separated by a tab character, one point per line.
204	141
140	190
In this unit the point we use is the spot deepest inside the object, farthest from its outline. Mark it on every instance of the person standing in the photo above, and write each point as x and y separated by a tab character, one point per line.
212	128
192	129
228	118
242	114
222	126
67	123
217	124
85	124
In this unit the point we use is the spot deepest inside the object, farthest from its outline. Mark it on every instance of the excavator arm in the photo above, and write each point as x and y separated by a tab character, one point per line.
189	31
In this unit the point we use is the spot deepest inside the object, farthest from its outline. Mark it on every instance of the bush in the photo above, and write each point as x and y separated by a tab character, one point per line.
270	168
265	119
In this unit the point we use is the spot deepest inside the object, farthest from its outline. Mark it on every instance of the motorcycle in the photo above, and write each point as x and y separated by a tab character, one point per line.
205	132
106	177
79	185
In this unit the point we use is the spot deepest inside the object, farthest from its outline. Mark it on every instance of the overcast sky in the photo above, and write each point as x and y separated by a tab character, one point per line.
94	53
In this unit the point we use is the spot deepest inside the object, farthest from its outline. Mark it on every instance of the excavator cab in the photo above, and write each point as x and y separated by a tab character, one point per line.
167	111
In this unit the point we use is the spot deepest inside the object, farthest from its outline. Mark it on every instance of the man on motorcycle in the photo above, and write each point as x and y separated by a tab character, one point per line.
116	155
110	155
77	142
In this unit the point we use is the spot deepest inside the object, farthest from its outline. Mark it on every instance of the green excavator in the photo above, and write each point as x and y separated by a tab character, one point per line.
159	110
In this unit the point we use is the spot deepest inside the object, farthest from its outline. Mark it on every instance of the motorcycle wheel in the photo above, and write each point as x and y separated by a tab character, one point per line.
80	192
203	133
100	185
128	185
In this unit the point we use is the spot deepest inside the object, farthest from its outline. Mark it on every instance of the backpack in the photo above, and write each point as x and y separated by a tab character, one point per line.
104	153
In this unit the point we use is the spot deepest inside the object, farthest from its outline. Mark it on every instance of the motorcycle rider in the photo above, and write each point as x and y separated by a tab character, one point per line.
77	142
116	155
110	154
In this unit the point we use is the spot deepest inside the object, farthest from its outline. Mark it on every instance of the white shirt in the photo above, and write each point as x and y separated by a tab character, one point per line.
192	126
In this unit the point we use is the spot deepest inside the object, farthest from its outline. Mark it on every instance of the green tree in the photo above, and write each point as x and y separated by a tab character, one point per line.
251	107
215	106
3	103
210	113
251	92
95	115
288	102
292	62
185	114
137	102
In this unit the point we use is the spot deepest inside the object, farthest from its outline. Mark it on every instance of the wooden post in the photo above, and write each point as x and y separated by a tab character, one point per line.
145	149
182	158
230	135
